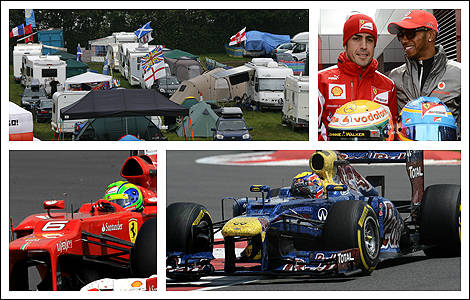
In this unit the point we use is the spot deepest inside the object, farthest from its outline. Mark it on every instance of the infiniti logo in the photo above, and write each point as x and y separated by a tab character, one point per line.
322	214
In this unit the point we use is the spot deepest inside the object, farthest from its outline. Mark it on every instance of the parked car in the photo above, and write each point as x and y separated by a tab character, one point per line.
283	48
42	110
231	126
112	129
166	85
33	93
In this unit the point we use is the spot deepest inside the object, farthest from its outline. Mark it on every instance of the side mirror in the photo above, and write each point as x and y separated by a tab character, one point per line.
54	204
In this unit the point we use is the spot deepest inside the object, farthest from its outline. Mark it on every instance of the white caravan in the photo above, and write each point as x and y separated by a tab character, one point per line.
122	56
295	108
112	54
300	50
59	101
266	87
44	68
18	52
133	63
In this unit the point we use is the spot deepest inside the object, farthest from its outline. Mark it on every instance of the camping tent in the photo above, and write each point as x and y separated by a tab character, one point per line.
209	87
120	103
20	124
202	119
184	68
75	68
257	41
176	54
90	79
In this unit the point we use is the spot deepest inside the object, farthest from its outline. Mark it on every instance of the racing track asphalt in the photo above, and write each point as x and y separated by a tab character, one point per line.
188	181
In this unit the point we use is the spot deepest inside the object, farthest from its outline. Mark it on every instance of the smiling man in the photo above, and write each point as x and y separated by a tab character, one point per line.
355	76
427	71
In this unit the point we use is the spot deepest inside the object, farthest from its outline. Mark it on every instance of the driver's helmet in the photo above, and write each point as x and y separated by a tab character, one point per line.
125	194
426	119
361	120
308	185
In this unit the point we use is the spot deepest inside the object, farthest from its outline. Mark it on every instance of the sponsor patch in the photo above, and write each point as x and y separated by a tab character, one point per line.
365	25
322	214
133	229
337	91
64	246
430	108
111	227
380	96
441	85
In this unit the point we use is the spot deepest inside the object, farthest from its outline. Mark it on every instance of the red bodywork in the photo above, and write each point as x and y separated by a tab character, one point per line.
58	234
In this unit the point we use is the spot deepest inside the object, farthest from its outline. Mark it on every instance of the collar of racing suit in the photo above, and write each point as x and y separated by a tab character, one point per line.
352	69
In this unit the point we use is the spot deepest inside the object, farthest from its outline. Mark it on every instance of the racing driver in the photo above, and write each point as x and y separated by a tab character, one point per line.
355	76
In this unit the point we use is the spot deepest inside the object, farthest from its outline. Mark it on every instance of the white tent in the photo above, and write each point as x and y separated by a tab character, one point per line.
21	123
89	78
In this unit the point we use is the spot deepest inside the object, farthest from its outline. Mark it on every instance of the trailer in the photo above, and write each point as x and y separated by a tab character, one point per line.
296	102
45	68
112	54
59	101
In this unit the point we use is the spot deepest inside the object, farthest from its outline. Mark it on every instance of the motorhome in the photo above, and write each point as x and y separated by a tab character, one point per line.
18	52
59	101
295	108
45	68
133	63
112	54
300	50
122	58
265	89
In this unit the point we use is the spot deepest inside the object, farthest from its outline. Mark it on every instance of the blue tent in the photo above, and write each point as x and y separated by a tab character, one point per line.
257	41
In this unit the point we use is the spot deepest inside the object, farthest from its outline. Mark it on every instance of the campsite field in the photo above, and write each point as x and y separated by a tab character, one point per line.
266	125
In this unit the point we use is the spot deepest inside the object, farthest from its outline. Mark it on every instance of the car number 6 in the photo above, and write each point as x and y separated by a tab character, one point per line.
54	226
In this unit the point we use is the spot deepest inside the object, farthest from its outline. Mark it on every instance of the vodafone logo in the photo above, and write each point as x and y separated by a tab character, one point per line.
441	85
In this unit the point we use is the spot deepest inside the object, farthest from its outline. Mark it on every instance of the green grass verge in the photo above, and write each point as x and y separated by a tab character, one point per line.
266	125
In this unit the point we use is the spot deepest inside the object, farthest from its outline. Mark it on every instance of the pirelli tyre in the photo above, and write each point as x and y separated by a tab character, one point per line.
354	224
188	228
440	220
144	255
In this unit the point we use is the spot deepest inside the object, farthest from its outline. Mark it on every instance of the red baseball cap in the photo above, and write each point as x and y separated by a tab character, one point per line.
358	23
414	19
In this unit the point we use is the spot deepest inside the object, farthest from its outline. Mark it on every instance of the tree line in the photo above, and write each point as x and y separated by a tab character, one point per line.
195	31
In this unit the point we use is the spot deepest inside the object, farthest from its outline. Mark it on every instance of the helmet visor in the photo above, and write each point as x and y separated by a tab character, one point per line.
429	132
120	199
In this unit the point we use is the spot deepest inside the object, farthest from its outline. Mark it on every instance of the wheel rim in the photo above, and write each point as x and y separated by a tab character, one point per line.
371	237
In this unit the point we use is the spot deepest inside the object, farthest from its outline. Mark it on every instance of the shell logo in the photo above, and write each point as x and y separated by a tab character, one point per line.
337	91
136	284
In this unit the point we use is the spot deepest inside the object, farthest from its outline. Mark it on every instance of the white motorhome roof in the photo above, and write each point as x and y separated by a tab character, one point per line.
88	77
278	72
141	50
298	83
128	46
300	37
26	47
42	57
48	62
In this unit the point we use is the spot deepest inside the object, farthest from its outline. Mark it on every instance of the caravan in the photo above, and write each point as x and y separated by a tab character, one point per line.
122	57
43	67
300	50
112	54
59	101
266	87
133	63
18	52
295	108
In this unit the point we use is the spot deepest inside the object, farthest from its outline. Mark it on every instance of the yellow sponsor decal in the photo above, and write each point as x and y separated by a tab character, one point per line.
133	229
363	216
200	216
242	226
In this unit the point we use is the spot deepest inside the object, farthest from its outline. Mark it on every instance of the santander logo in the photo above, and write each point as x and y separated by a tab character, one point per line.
111	227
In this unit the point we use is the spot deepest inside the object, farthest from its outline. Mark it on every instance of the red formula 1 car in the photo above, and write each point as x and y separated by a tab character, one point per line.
100	240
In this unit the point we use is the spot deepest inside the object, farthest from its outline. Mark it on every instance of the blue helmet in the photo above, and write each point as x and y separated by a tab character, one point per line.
426	119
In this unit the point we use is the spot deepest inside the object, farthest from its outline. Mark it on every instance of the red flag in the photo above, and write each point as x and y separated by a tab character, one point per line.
28	29
28	39
238	38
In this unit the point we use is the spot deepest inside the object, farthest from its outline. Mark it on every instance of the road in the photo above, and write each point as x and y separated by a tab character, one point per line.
207	184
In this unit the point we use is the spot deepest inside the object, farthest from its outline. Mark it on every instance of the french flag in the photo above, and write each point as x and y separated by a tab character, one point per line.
17	31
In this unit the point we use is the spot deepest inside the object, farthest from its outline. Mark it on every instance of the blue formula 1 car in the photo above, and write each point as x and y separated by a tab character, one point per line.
348	230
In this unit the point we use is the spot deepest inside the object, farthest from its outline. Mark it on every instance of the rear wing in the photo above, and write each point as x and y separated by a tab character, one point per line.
413	160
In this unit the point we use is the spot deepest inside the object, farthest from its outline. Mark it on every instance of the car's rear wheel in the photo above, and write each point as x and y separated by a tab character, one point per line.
144	257
188	228
353	224
440	220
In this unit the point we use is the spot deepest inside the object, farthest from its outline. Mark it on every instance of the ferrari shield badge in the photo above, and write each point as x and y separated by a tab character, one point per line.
133	228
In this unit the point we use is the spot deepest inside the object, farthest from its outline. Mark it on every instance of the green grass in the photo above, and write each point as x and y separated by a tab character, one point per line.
266	125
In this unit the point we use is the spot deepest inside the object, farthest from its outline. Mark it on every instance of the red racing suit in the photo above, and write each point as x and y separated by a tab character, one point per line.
346	82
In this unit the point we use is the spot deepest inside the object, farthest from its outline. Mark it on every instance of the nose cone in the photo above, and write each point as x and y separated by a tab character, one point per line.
242	226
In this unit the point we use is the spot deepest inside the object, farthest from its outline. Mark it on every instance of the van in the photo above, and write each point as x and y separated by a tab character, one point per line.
59	101
295	109
266	87
300	49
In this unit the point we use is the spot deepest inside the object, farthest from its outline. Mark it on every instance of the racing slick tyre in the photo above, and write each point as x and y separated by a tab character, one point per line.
353	224
188	228
440	220
144	256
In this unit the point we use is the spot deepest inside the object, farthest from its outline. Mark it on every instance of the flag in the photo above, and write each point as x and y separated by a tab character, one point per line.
28	30
115	83
146	38
238	38
142	31
105	67
29	16
79	52
153	57
156	71
17	31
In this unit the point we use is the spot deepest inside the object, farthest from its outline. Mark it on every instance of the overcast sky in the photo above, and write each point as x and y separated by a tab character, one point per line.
332	20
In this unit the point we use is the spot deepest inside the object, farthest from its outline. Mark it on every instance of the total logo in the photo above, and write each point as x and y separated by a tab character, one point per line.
415	172
64	246
345	257
111	227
